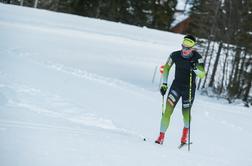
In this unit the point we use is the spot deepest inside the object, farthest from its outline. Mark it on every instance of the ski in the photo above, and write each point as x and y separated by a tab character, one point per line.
145	139
183	145
150	140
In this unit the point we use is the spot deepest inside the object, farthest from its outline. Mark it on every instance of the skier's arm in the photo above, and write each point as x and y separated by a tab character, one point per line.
167	68
200	69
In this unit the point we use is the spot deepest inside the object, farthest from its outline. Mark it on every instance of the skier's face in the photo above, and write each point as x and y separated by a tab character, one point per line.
186	51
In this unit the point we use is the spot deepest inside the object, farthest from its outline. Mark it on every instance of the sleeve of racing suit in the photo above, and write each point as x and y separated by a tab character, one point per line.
167	68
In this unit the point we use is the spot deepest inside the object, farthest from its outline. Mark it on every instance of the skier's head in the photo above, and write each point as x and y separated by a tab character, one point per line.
187	45
189	41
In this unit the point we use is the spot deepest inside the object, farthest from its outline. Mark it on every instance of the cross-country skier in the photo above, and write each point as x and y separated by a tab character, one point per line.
186	60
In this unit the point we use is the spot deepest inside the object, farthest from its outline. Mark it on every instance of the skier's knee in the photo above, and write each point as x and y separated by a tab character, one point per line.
186	106
172	98
168	111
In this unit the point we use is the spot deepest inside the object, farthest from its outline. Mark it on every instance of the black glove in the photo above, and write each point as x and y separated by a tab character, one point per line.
163	89
194	65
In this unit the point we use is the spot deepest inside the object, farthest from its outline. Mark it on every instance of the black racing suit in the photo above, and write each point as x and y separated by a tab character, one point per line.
181	85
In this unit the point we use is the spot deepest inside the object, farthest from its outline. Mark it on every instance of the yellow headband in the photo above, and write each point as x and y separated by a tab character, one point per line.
188	42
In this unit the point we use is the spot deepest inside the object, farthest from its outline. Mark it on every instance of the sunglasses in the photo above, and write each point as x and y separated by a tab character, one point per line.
186	48
188	42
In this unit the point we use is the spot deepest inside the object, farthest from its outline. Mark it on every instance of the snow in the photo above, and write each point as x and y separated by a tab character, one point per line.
78	91
181	5
182	12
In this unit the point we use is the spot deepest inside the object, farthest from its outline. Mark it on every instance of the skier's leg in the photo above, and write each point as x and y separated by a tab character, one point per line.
165	120
172	99
186	114
186	109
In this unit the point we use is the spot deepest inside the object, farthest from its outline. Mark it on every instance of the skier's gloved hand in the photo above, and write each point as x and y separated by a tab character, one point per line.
194	65
163	89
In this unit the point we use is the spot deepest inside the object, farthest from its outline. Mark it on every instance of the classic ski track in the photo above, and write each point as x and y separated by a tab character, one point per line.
40	126
29	125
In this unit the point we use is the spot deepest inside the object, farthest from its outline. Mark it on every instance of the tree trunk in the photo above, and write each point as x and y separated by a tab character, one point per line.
35	3
205	57
98	9
208	67
233	83
241	75
224	69
237	63
248	81
215	65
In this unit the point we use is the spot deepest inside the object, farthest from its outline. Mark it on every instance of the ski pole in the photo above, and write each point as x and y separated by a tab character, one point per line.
161	69
154	75
163	110
190	101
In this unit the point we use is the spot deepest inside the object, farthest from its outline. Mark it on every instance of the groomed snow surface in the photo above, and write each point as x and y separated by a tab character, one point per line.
78	91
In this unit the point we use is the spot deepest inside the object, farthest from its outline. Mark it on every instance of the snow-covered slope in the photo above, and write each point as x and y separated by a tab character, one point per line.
78	91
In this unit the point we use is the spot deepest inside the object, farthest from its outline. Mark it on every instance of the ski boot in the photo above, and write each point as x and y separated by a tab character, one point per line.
184	136
160	139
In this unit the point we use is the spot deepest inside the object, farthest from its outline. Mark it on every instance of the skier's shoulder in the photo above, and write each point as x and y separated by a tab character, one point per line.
196	54
178	52
197	57
175	54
